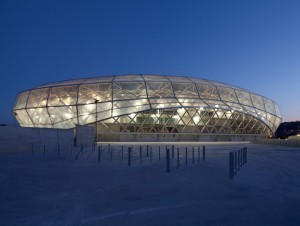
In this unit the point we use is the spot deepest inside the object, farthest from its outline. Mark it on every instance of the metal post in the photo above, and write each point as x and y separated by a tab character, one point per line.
177	158
238	162
235	163
158	153
141	154
172	151
203	153
99	154
168	160
242	157
193	153
96	101
231	165
186	162
129	156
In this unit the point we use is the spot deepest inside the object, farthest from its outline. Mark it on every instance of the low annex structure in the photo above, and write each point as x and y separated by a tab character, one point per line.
150	108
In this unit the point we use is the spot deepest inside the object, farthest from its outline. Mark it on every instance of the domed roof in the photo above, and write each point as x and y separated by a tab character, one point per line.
122	94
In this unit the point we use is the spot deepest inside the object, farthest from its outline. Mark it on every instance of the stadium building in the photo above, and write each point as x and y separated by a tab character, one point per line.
150	108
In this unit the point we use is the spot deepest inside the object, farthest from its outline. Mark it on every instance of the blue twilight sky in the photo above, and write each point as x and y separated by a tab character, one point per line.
247	43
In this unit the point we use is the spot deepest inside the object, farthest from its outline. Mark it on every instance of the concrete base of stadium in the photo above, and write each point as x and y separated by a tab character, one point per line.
156	137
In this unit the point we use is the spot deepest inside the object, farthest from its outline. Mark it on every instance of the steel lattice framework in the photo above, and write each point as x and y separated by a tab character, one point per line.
148	104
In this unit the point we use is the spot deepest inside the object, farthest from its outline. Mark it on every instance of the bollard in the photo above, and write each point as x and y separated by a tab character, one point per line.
151	154
99	154
238	160
193	153
172	151
241	154
168	159
241	158
203	153
231	165
186	156
235	163
158	153
177	158
44	150
141	155
129	156
198	154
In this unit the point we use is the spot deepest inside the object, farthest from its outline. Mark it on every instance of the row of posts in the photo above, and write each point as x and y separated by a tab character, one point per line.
236	160
186	156
149	154
60	149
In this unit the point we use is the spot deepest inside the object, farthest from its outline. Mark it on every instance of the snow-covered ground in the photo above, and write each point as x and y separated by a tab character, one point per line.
38	190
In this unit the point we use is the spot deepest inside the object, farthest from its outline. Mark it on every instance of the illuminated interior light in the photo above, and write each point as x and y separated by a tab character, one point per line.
196	119
91	107
181	111
176	116
68	115
132	115
138	102
67	101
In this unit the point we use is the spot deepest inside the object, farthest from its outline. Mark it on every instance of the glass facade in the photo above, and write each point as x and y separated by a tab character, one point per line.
148	104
